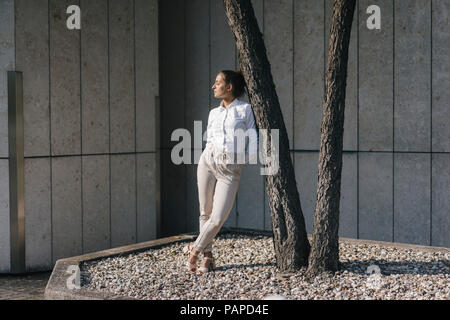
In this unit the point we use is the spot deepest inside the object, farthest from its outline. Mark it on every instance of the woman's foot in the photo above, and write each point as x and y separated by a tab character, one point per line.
207	264
192	261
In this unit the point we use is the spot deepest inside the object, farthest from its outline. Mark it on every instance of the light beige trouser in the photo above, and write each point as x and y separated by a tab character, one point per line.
217	183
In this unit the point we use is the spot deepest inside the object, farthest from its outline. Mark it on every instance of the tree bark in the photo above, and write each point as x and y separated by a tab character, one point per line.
325	241
291	244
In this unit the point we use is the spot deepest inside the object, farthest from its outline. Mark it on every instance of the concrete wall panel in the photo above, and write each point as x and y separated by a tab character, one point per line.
267	214
94	77
306	170
147	73
412	76
306	178
38	214
192	202
375	196
121	68
348	208
412	198
173	196
222	45
146	197
279	41
308	73
440	197
232	221
197	67
32	58
72	80
67	226
440	76
376	80
123	199
7	63
250	203
96	203
64	82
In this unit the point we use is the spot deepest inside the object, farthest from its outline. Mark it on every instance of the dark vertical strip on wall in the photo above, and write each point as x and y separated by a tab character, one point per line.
357	119
135	120
393	118
158	144
81	136
16	171
211	79
173	217
325	49
431	120
293	83
15	33
264	179
50	128
162	184
184	166
109	127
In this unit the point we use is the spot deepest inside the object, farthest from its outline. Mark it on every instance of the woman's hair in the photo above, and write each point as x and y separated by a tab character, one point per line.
236	79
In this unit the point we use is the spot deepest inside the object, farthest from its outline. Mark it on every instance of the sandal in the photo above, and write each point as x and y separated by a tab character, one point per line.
208	264
192	261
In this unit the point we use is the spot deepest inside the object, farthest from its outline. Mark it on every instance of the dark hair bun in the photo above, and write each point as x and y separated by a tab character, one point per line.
236	78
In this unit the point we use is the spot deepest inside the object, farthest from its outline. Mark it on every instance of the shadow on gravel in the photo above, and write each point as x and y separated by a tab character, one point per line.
243	266
397	267
364	267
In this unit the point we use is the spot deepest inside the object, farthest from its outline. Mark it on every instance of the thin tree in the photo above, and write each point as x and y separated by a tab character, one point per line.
325	241
290	239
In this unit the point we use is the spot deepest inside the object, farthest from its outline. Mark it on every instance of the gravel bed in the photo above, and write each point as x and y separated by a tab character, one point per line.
246	269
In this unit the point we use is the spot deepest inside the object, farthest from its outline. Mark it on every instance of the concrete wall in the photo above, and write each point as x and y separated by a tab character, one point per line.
90	125
395	180
7	63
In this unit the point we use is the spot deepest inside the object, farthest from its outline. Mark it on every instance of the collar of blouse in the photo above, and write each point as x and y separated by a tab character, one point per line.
232	104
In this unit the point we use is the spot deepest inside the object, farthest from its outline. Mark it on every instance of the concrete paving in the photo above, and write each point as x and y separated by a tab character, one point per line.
23	287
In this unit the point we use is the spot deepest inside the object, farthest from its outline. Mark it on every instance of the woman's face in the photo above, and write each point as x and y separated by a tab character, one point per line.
221	88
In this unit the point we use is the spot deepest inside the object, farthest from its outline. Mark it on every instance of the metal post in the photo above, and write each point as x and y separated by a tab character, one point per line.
16	172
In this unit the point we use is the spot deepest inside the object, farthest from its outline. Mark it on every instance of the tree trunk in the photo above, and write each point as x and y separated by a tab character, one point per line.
290	239
325	241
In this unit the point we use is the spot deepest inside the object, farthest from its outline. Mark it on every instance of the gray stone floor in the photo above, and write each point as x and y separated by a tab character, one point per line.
23	287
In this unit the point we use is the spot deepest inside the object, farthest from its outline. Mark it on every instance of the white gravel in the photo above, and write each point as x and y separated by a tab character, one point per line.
246	270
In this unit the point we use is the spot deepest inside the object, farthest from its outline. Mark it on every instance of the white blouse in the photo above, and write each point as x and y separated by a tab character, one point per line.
233	130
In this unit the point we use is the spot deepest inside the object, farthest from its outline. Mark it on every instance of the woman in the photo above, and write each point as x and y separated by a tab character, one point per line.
220	165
